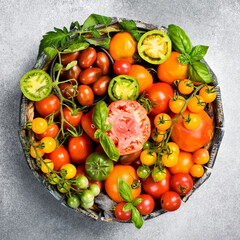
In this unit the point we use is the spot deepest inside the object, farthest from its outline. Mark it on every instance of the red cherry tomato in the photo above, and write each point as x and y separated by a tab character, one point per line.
87	57
102	62
181	183
100	87
72	119
147	205
67	90
122	67
120	214
170	201
73	73
68	57
85	95
51	131
90	75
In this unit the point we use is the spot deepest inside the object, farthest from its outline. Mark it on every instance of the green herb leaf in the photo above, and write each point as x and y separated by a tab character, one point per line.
106	43
136	218
198	72
100	114
93	42
98	133
89	22
136	201
76	47
57	67
95	33
128	25
124	190
50	52
107	127
198	52
70	65
180	40
135	34
109	148
102	19
127	207
183	58
75	24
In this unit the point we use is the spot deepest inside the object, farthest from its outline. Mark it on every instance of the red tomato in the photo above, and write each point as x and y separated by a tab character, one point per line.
131	126
160	93
100	87
73	73
120	214
90	75
68	57
87	57
72	119
59	157
147	205
129	158
79	148
85	95
181	183
102	62
67	90
51	131
170	201
157	189
193	139
48	105
122	67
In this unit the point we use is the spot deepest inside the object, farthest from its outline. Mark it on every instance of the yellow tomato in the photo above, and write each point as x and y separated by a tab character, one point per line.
148	158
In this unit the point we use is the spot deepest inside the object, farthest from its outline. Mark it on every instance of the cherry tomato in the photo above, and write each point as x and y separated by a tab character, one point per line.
196	104
48	105
68	57
85	95
87	196
162	121
201	156
90	75
63	187
176	104
197	170
102	62
67	90
144	78
122	67
143	172
51	131
185	86
73	201
137	163
59	157
148	158
53	179
49	144
170	160
123	46
39	151
181	183
147	205
157	135
70	171
100	87
208	94
87	57
158	174
79	148
82	182
72	119
193	122
95	189
129	174
159	93
170	201
172	70
157	189
73	73
120	214
173	147
39	125
184	163
50	165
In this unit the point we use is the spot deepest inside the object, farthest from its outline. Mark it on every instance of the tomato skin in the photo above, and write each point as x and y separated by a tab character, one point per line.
68	57
160	93
39	125
137	163
59	157
100	87
79	148
67	90
120	214
87	57
129	158
48	105
157	189
201	156
147	205
123	46
85	95
172	70
128	173
72	119
90	75
170	201
181	183
73	73
51	131
193	139
144	78
122	67
102	62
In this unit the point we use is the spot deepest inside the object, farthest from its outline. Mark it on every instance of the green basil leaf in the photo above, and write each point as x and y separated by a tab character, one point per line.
102	19
180	40
183	58
127	207
57	67
98	133
109	148
50	52
89	22
70	65
76	47
106	43
198	72
95	33
198	52
106	127
100	114
124	190
136	218
136	201
128	25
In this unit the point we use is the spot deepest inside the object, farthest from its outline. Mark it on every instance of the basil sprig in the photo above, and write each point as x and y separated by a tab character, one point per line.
124	190
99	118
197	71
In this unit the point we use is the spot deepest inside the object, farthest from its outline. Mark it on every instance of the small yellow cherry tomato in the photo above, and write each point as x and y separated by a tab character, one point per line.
162	121
173	147
170	160
185	86
54	179
208	93
201	156
39	125
193	122
196	104
176	104
50	165
39	151
148	158
197	170
158	174
157	135
49	144
63	187
70	169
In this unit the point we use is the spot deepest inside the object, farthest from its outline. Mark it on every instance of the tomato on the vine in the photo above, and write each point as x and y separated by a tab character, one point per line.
69	171
208	93
185	86
148	158
176	104
39	125
196	104
49	144
181	183
47	165
51	131
147	205
33	153
170	201
170	160
162	121
73	119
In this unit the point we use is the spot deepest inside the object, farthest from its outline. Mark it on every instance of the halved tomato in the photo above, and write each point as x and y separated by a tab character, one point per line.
131	126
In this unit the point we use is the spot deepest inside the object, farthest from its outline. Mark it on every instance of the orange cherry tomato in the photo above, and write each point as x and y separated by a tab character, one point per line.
193	122
196	104
185	86
162	121
208	94
158	135
39	151
176	104
173	147
148	158
170	160
201	156
51	131
197	170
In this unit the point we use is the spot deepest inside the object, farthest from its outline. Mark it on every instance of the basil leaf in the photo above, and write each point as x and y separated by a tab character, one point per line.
109	148
76	47
107	127
106	43
50	52
57	67
89	22
136	201
180	40
102	19
198	52
70	65
93	42
136	218
124	190
100	114
98	133
127	207
128	25
198	72
183	58
95	33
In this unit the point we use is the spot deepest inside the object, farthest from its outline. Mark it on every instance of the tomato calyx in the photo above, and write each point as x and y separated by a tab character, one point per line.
146	102
136	184
182	189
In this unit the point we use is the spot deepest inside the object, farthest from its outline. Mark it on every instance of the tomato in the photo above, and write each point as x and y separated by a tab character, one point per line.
49	163
129	158
208	94
181	183
144	78
63	187
137	163
102	62
170	201
193	139
157	189
67	90
157	135
123	46
201	156
160	93
90	75
147	205
170	160
81	182
143	172
39	151
184	163
70	118
87	196
48	105
162	121
59	157
131	126
73	201
172	70
196	104
173	147
128	173
39	125
53	179
87	205
122	67
68	57
148	158
185	86
85	95
120	214
193	122
73	73
87	57
88	126
158	174
197	170
51	131
95	189
68	171
100	87
49	144
176	104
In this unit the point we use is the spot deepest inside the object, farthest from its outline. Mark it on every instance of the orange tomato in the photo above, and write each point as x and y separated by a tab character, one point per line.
196	104
176	104
208	94
129	174
185	86
39	151
201	156
197	170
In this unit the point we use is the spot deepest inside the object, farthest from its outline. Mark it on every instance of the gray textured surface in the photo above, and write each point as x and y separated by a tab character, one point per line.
28	211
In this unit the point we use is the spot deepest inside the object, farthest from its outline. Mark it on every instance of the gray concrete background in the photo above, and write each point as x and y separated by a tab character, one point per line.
28	211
